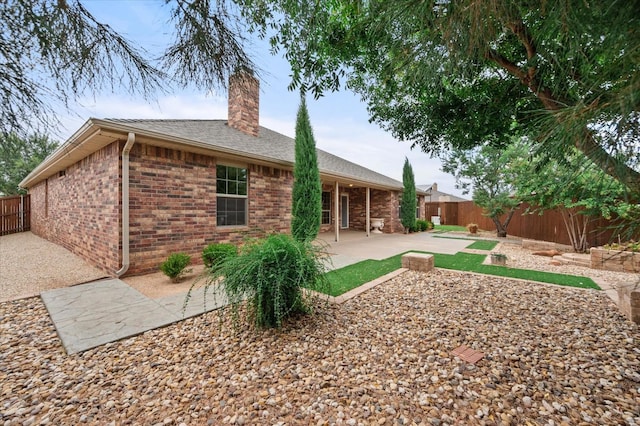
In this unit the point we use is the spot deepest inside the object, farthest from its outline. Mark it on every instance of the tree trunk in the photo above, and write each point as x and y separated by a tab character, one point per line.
584	141
501	228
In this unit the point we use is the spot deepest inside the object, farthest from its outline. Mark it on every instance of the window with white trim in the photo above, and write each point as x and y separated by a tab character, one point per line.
326	208
231	200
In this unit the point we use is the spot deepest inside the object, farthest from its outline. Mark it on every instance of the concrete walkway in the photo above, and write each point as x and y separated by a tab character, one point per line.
104	311
355	246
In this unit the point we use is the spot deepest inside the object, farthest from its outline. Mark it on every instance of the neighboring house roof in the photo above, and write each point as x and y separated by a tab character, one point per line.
201	136
433	195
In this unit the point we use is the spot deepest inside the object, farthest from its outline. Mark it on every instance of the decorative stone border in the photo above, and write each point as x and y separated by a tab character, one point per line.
629	301
615	260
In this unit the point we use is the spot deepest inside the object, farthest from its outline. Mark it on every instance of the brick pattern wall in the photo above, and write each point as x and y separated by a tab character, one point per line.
383	204
173	205
422	207
244	103
80	210
357	208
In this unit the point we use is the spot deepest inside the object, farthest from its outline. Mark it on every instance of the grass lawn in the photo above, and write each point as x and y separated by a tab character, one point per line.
483	245
477	245
438	229
352	276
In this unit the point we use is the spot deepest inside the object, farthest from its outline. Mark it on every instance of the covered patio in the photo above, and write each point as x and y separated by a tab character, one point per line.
354	246
350	205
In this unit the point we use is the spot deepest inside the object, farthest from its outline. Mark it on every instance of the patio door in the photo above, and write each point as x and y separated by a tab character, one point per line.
344	211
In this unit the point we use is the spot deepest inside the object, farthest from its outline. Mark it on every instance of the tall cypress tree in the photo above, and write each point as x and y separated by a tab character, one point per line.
307	188
408	205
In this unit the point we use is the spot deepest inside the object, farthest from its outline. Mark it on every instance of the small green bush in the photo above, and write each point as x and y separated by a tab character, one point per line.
270	274
422	225
628	246
430	225
174	266
214	254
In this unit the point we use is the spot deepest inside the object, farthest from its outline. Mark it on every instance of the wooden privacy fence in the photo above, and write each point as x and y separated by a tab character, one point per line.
546	227
15	214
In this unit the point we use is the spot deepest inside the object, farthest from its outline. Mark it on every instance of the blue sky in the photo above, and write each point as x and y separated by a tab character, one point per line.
340	120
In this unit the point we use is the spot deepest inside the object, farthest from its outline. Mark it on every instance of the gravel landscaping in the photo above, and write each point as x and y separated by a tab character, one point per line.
523	259
30	265
554	356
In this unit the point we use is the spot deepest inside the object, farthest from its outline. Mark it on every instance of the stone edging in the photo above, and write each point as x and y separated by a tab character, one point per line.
362	288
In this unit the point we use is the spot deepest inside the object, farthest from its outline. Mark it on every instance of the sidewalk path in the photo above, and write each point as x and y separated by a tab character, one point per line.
104	311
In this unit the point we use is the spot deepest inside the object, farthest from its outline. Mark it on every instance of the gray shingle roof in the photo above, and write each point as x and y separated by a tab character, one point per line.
435	195
268	145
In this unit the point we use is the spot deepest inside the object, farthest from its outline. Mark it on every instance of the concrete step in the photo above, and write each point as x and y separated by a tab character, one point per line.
578	259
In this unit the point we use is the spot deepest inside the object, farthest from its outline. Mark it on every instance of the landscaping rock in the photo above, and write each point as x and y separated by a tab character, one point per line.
553	355
547	253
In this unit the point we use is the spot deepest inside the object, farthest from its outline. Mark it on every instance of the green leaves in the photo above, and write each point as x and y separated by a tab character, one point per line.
307	187
492	173
408	203
55	51
460	74
270	275
19	156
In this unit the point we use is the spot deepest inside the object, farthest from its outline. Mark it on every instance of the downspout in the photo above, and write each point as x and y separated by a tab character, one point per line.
131	139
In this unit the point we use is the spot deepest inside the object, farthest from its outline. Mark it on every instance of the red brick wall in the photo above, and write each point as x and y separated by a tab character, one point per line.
173	205
80	210
422	207
385	204
244	103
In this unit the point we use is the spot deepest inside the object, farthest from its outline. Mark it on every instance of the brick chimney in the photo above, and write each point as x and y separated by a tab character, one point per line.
244	103
434	187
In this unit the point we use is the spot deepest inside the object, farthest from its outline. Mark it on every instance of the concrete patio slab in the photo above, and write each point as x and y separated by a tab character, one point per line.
199	302
90	315
354	246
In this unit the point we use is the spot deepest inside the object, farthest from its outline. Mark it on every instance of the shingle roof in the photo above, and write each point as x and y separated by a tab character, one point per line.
436	195
267	145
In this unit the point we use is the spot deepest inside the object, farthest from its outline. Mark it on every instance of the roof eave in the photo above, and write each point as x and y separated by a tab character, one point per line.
46	168
114	131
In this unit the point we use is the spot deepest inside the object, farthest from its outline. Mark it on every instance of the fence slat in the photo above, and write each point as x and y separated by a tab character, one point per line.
546	227
15	214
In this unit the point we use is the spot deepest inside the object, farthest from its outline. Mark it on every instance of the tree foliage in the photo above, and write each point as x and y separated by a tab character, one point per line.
582	193
492	173
19	156
408	203
444	74
307	187
54	51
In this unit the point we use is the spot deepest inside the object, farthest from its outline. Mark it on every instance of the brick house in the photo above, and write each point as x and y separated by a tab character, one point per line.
124	194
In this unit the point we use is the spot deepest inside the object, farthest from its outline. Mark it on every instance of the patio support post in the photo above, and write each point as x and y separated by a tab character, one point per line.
337	211
368	208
